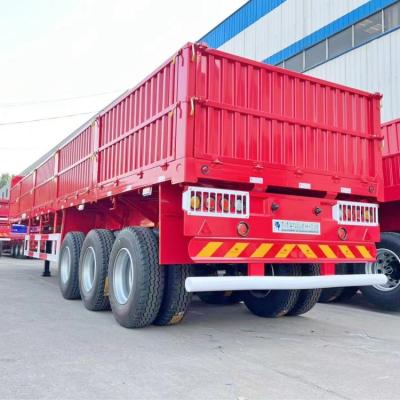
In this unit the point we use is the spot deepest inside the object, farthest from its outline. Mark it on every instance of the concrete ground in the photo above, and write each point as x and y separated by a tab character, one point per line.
56	349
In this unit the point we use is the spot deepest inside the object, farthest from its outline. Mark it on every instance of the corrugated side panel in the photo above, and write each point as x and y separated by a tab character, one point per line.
14	202
255	113
45	183
139	131
76	164
132	135
391	160
26	193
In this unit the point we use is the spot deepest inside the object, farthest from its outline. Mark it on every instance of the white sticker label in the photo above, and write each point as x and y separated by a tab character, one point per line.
345	190
302	227
255	179
304	185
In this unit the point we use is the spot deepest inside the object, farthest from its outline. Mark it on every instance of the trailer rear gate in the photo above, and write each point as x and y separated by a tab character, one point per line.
261	123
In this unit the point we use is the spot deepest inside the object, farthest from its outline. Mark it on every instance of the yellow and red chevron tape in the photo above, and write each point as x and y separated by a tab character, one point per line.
203	249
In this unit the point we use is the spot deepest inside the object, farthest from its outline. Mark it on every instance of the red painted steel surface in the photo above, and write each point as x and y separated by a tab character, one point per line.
224	235
4	223
284	127
204	107
391	160
389	209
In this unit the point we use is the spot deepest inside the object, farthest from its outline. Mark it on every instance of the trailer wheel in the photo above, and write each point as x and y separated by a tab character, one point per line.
348	292
176	299
135	278
21	255
222	298
16	251
307	297
93	269
385	296
68	270
273	303
331	294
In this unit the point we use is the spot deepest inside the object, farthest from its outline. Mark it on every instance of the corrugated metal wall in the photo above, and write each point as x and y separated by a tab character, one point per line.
286	24
373	66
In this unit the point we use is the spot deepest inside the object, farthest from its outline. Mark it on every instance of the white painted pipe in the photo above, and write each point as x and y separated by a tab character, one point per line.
221	283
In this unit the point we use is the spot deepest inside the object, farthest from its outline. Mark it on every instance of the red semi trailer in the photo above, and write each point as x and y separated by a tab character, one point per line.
387	295
216	174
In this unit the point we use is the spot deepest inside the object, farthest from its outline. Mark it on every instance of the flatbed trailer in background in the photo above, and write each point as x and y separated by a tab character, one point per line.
12	236
216	175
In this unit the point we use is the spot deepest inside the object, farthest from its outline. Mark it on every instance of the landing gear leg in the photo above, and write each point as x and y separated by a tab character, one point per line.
46	270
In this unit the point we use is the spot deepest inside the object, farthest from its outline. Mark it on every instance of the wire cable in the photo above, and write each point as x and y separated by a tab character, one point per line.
25	103
27	121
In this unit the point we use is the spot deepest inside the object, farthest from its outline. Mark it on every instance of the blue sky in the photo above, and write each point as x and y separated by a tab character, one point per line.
52	50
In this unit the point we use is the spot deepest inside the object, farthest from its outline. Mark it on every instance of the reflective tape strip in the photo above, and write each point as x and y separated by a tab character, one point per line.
262	250
364	251
209	249
285	250
327	251
307	251
236	249
346	251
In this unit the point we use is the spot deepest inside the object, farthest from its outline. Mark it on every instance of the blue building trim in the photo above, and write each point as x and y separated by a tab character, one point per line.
336	26
245	16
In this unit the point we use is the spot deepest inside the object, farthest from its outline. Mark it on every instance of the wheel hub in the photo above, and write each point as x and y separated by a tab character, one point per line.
123	276
387	263
65	265
88	269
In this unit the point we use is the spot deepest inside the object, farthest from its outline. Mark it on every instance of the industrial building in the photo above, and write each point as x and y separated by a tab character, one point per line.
352	42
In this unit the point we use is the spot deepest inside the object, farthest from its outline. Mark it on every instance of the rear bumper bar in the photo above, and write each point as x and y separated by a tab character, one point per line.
211	284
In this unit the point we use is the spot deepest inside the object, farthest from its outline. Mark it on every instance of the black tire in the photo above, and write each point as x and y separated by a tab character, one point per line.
331	294
16	251
348	292
176	299
21	251
388	299
12	251
96	249
273	303
307	297
68	270
220	298
136	250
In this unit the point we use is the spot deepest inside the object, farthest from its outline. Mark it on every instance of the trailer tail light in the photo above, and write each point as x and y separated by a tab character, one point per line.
216	202
195	202
353	213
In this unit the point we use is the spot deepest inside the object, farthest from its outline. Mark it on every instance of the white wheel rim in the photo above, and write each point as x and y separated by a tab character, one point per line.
65	265
123	276
89	267
388	263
